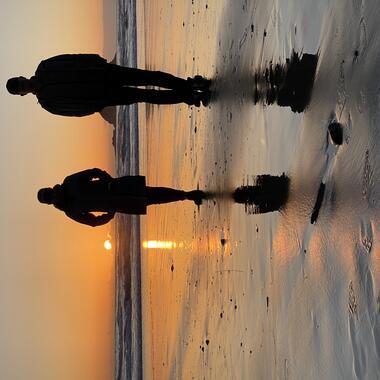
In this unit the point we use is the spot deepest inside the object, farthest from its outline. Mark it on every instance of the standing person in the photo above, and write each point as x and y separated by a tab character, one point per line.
81	84
94	190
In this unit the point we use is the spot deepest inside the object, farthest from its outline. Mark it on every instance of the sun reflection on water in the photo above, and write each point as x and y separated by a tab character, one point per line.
159	244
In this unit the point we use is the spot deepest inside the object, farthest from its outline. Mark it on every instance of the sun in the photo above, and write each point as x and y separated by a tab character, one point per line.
108	245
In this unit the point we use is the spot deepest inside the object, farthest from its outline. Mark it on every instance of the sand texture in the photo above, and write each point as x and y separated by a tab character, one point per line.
272	296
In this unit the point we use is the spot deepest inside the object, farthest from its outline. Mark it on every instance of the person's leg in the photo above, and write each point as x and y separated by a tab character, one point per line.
157	195
128	76
199	83
129	95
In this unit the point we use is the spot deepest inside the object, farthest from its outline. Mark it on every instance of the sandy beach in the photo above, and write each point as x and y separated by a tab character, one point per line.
240	295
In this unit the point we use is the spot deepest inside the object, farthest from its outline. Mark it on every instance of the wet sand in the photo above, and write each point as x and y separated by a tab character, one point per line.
240	295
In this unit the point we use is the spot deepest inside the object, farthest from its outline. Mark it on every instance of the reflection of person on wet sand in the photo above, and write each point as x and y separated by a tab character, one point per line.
269	193
81	84
288	85
94	190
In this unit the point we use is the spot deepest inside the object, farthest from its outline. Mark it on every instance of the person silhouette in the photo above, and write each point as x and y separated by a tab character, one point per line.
94	191
81	84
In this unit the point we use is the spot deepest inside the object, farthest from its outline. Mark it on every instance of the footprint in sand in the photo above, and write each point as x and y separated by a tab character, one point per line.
358	351
352	305
370	312
366	236
367	176
363	41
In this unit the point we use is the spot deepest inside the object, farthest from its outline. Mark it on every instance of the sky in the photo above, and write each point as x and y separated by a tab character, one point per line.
56	279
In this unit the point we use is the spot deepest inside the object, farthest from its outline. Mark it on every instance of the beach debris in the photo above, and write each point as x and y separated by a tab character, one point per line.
318	203
223	240
336	132
172	267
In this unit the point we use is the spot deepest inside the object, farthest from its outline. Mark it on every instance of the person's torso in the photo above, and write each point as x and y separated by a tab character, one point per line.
125	194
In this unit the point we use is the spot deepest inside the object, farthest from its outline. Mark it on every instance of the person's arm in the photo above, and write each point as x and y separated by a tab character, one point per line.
101	174
64	109
71	59
96	173
88	175
90	219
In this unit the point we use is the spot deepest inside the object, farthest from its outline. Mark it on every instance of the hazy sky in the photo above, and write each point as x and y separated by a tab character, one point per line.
56	279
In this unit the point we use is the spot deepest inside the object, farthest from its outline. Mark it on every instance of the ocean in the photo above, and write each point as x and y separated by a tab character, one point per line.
128	333
241	295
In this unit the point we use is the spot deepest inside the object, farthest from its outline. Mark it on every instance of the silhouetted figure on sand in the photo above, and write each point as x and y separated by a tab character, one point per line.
289	84
269	193
81	84
95	191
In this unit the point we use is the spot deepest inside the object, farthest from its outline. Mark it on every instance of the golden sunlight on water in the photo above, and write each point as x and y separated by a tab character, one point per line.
159	244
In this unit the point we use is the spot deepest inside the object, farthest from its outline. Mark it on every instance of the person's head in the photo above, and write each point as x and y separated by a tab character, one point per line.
20	86
46	195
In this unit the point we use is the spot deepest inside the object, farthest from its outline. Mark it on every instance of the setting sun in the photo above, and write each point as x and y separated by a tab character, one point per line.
108	245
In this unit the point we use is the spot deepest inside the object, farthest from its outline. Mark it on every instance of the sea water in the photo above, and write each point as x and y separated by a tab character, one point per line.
128	362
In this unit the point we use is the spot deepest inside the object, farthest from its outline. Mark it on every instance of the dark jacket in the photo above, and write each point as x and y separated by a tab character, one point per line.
94	190
72	84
